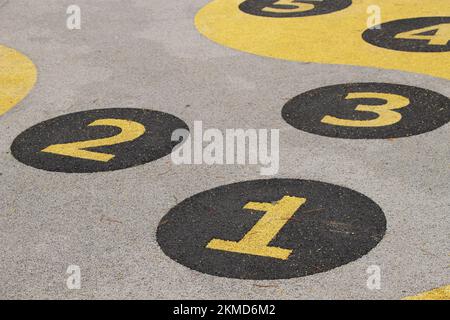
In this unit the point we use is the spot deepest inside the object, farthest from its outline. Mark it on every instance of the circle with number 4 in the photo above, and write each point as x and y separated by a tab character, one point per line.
271	229
98	140
367	111
428	34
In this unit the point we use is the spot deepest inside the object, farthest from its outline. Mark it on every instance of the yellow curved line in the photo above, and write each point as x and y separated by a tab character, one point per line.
18	75
442	293
333	38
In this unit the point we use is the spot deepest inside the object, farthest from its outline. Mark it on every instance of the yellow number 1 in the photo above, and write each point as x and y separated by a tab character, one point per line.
256	241
385	117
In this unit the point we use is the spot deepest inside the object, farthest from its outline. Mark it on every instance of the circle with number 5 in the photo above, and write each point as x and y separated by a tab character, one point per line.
292	8
98	140
367	111
428	34
331	32
271	229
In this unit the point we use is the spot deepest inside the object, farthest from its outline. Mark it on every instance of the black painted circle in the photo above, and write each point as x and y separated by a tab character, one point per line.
255	7
333	227
427	111
155	143
384	36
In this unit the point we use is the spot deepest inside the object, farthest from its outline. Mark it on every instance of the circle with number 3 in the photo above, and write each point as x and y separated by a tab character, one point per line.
271	229
98	140
367	111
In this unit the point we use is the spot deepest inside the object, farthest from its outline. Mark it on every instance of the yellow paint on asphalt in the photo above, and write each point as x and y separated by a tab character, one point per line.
440	38
386	115
130	130
333	38
256	241
17	77
442	293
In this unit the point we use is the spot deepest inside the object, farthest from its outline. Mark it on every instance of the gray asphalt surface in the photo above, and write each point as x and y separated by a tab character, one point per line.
148	54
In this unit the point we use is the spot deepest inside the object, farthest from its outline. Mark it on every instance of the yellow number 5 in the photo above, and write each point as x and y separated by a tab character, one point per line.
386	115
293	7
130	131
256	241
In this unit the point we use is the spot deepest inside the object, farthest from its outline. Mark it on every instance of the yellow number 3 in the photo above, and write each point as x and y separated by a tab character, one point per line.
385	112
130	131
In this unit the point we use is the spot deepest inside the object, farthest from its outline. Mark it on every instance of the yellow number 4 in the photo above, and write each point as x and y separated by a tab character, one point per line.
440	38
256	241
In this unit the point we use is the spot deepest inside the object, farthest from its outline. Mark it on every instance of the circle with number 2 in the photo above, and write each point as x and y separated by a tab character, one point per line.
98	140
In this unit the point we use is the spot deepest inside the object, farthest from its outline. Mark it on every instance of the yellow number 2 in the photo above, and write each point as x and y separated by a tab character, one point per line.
130	131
292	7
385	112
256	241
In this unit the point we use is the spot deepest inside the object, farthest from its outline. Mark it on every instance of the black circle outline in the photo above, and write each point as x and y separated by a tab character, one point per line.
383	35
290	112
254	7
188	201
22	148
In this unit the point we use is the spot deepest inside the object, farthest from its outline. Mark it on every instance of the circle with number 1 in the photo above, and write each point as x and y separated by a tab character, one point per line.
271	229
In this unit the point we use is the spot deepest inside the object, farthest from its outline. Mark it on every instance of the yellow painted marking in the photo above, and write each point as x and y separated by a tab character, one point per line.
334	38
441	37
442	293
17	77
256	241
295	7
130	131
386	115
